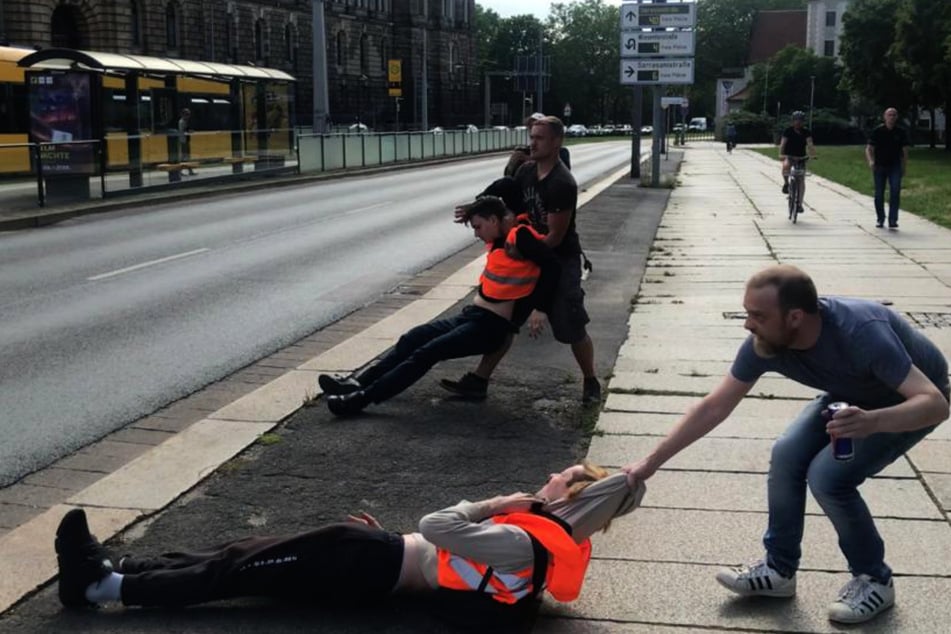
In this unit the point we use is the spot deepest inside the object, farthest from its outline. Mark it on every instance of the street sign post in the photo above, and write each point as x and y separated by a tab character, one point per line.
657	43
661	16
654	72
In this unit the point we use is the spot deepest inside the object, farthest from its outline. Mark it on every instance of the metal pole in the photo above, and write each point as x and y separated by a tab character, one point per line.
424	115
488	101
319	37
812	95
658	130
636	132
765	87
541	77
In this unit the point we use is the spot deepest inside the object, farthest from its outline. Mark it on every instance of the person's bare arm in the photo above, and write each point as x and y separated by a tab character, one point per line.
870	154
558	222
782	148
697	422
810	147
904	159
924	406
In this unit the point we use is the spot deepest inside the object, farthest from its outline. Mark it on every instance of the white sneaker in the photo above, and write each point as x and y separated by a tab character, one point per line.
862	599
757	580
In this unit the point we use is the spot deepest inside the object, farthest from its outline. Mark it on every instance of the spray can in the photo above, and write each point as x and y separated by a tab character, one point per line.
842	448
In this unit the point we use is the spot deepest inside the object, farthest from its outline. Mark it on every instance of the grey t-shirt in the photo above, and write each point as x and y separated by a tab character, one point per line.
863	354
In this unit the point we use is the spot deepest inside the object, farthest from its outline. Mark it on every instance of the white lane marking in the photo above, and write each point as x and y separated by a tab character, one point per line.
362	209
145	264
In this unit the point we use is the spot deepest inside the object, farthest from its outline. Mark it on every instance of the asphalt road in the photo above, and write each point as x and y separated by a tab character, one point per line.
107	318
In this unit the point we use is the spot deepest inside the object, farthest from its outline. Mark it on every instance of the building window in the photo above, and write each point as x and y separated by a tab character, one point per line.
290	43
259	39
231	37
136	20
364	54
171	26
829	48
830	18
340	45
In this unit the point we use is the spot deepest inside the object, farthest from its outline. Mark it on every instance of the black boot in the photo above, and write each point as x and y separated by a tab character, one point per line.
332	385
471	386
348	404
82	559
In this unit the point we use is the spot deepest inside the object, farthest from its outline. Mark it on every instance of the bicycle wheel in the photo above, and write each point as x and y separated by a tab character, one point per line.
793	198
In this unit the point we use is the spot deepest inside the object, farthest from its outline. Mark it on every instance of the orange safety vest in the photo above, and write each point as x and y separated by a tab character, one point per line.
564	565
507	276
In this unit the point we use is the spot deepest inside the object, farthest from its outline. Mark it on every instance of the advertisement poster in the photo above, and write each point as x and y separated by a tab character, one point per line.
61	119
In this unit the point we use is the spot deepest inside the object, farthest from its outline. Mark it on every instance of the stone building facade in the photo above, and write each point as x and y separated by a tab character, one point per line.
361	35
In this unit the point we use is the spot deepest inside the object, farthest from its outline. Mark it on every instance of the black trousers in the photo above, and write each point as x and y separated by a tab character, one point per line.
472	332
338	562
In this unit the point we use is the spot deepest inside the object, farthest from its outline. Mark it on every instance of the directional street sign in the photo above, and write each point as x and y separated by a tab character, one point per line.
682	15
673	101
649	72
657	43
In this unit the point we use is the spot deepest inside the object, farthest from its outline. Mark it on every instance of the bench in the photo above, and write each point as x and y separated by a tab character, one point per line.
237	162
175	169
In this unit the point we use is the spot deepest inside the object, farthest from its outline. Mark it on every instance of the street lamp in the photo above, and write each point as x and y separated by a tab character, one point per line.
812	95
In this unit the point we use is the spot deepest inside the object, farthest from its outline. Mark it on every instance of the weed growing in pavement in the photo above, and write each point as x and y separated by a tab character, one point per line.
270	438
310	398
652	371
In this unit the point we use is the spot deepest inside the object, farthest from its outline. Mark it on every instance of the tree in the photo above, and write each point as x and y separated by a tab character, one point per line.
586	60
868	32
791	73
723	41
921	29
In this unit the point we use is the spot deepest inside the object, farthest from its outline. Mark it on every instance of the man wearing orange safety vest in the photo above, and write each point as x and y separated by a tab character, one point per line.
517	284
509	548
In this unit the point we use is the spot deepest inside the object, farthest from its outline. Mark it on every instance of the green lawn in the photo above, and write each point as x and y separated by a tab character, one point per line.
926	188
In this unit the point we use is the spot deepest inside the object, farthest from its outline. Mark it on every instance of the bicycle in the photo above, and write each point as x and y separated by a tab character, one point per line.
797	185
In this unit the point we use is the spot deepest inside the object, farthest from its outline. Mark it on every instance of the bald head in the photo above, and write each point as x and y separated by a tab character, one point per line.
891	117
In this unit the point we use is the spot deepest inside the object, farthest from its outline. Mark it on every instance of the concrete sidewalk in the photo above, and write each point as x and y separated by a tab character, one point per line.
706	507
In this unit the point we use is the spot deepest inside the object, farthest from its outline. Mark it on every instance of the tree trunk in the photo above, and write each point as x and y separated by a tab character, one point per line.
934	136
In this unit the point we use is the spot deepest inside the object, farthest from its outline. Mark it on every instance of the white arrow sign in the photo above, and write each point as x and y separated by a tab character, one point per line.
647	72
682	15
657	43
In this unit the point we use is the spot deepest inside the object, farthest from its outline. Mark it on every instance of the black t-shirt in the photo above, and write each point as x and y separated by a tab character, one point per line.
889	145
556	193
796	141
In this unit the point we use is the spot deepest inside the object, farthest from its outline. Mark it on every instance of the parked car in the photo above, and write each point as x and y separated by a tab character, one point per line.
627	128
697	124
647	129
437	130
468	128
577	129
359	128
679	127
500	127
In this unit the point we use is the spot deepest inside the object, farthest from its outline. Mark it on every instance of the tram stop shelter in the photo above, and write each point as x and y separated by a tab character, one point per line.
95	113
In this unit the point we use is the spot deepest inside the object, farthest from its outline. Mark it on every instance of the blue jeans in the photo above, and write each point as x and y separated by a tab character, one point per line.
472	332
802	456
892	174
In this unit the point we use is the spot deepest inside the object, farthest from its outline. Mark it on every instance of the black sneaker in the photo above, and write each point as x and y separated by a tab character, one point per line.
893	226
333	385
82	559
785	188
591	392
470	386
347	404
879	224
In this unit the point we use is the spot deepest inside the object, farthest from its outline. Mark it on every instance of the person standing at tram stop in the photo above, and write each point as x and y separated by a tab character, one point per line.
796	143
887	156
856	351
184	137
551	196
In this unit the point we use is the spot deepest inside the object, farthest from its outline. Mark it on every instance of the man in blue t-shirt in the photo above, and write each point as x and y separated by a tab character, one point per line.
857	351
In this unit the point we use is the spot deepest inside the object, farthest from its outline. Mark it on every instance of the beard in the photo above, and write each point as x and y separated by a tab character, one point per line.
769	349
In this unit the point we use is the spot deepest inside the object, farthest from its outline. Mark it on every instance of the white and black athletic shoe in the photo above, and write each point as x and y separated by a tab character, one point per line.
757	580
862	599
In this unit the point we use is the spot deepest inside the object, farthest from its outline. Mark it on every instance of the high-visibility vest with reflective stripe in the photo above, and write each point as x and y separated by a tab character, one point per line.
508	275
566	565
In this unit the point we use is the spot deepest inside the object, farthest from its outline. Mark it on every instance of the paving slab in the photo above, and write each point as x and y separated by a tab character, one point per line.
691	598
701	385
749	408
750	455
932	455
274	401
919	547
746	492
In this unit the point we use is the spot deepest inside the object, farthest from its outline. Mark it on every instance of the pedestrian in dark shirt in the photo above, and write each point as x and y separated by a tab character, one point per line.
887	156
551	195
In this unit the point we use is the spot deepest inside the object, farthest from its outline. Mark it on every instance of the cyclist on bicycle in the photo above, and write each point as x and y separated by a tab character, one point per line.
796	141
730	136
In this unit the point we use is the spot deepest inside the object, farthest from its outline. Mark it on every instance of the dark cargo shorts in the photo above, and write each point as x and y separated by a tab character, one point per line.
568	316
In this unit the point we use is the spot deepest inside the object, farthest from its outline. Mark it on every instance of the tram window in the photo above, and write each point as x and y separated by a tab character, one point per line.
14	116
